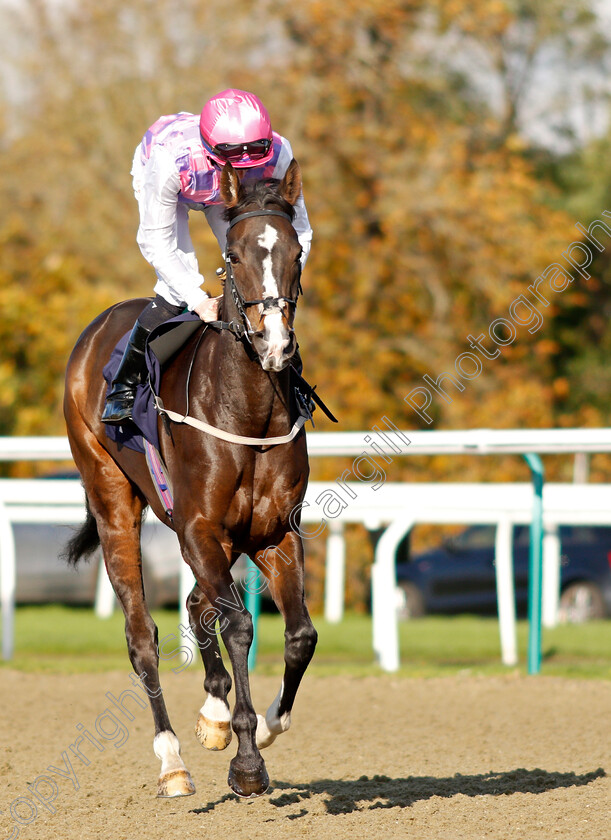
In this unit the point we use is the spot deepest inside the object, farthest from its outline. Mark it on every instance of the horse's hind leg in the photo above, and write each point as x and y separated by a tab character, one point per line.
284	566
213	727
120	539
118	511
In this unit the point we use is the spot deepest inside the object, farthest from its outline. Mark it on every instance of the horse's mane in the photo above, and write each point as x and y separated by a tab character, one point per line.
261	194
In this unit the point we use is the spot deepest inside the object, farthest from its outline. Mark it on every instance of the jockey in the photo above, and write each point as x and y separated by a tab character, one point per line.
177	168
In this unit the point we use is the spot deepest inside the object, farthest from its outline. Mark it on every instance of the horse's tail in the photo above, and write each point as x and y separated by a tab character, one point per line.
84	542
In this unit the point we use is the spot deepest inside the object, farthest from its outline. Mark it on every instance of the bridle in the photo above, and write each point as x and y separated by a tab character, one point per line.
270	304
305	393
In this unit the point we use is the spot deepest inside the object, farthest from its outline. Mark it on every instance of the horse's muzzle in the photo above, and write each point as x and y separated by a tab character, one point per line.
274	351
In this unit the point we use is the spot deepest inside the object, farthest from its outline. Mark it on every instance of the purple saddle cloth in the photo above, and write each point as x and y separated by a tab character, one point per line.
163	342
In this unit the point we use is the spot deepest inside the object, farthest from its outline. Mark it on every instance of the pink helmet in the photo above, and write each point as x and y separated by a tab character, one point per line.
236	127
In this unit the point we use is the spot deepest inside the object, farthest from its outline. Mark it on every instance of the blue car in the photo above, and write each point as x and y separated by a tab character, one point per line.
459	576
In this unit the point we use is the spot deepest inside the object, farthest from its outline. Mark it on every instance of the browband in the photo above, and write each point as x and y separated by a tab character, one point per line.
252	213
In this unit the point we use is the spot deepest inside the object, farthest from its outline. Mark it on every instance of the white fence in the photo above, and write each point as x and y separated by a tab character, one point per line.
469	441
398	507
372	501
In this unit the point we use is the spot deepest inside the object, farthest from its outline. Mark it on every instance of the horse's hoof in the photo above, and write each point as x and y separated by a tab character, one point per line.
175	783
249	783
213	734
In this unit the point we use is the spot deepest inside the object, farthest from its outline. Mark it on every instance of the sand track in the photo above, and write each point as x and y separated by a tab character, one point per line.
464	757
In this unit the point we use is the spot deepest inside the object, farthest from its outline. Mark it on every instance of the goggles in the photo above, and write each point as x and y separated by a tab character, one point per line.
255	150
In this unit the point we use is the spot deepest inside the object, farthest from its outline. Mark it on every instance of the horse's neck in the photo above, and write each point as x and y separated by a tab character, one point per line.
240	387
239	373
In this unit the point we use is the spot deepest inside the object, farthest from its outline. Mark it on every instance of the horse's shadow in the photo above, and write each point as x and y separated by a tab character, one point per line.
344	796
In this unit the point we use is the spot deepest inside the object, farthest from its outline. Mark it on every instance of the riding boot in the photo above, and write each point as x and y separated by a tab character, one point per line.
130	373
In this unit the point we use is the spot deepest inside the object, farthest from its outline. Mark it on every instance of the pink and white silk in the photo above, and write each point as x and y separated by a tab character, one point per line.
173	174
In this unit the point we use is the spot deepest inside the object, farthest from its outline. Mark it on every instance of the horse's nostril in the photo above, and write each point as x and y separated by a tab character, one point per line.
291	346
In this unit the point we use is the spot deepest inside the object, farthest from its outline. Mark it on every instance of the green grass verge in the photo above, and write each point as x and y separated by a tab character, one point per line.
67	640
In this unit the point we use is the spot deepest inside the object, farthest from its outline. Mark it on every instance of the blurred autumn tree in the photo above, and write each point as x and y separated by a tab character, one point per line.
582	330
86	81
434	216
413	125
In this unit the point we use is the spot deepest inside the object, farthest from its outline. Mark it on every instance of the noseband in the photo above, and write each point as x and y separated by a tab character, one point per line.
270	304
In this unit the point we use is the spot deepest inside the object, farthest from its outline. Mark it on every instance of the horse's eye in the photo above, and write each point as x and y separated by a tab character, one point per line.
233	259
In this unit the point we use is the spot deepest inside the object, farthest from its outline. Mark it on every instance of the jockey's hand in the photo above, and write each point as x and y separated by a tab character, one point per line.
208	310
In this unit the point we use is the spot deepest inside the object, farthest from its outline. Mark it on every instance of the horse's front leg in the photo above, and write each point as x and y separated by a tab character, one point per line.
284	567
205	555
213	727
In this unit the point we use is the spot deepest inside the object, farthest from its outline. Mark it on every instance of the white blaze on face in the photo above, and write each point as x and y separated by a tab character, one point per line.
276	335
267	240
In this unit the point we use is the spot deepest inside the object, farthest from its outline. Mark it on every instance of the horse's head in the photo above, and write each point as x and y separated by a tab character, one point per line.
263	261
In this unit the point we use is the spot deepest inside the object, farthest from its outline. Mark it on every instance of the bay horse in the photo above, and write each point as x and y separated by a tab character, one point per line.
229	498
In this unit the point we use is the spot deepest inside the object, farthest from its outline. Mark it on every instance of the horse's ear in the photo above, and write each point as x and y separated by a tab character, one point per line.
230	186
290	186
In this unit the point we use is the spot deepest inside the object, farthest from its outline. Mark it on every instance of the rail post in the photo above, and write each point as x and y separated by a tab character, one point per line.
535	568
7	582
252	602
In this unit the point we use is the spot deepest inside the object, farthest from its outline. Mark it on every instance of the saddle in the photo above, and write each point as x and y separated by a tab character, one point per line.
163	342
